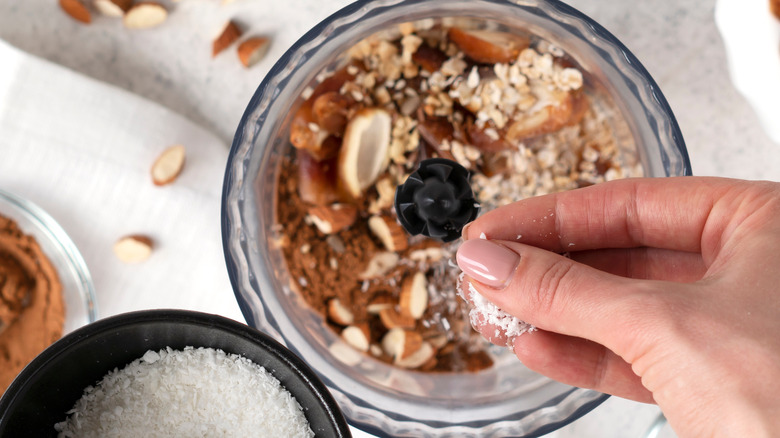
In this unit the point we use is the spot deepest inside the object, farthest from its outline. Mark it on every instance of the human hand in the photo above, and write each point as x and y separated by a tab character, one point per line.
671	294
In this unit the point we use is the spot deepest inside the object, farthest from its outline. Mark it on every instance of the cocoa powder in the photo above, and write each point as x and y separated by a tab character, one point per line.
32	312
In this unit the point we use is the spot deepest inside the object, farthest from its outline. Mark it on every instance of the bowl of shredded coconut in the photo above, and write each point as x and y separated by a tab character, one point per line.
168	373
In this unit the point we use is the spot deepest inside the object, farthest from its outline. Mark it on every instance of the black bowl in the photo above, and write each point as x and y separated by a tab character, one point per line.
52	383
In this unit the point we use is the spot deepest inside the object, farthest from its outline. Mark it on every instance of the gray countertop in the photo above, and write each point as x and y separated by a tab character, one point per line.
676	40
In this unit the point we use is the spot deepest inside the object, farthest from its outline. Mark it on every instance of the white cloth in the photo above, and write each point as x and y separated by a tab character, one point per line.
82	150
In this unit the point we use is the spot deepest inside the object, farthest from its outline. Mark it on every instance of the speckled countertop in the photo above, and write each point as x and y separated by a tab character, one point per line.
676	40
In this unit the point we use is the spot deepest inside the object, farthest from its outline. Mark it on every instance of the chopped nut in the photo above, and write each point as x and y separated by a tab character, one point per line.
390	233
339	313
357	336
144	15
229	34
333	218
414	296
379	265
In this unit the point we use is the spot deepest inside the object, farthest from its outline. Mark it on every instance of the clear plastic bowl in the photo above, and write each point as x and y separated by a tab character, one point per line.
505	400
77	289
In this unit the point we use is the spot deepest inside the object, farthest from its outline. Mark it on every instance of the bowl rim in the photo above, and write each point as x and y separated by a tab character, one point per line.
179	316
630	62
57	235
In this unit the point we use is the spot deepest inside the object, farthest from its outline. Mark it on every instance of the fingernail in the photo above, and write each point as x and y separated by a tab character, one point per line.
464	232
487	262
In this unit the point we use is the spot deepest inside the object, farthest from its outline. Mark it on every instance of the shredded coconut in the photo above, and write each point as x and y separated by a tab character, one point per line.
484	312
194	392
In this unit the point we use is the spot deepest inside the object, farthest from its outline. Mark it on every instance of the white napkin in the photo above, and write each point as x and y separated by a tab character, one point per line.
82	150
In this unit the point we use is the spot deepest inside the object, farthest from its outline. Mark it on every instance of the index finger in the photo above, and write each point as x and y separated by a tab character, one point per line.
666	213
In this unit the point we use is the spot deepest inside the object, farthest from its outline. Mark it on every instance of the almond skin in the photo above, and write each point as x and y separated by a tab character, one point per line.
230	33
251	51
488	47
76	10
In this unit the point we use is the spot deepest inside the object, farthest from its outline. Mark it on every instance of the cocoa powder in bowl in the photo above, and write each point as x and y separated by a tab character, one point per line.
32	311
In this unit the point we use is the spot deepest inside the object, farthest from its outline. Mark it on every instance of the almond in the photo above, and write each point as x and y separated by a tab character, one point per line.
144	15
306	134
339	313
379	265
486	138
489	47
168	165
380	302
133	249
429	58
251	51
391	319
414	296
330	111
113	8
389	232
76	10
568	111
317	180
417	359
364	152
333	218
357	336
229	34
400	344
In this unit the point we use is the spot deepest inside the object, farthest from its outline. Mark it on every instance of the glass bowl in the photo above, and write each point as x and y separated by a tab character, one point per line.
505	400
40	397
77	289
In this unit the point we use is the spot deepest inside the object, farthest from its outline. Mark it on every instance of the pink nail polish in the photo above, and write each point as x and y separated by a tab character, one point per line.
487	262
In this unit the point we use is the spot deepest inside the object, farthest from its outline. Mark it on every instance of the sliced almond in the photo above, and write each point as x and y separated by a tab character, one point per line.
380	302
168	165
400	344
379	265
358	336
144	15
251	51
414	296
389	232
364	152
229	34
488	47
76	10
420	357
113	8
133	249
339	313
333	218
392	319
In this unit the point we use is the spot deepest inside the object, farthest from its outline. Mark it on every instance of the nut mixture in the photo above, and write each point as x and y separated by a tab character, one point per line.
512	109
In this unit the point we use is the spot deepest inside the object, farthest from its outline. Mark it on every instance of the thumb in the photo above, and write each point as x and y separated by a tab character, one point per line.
556	293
